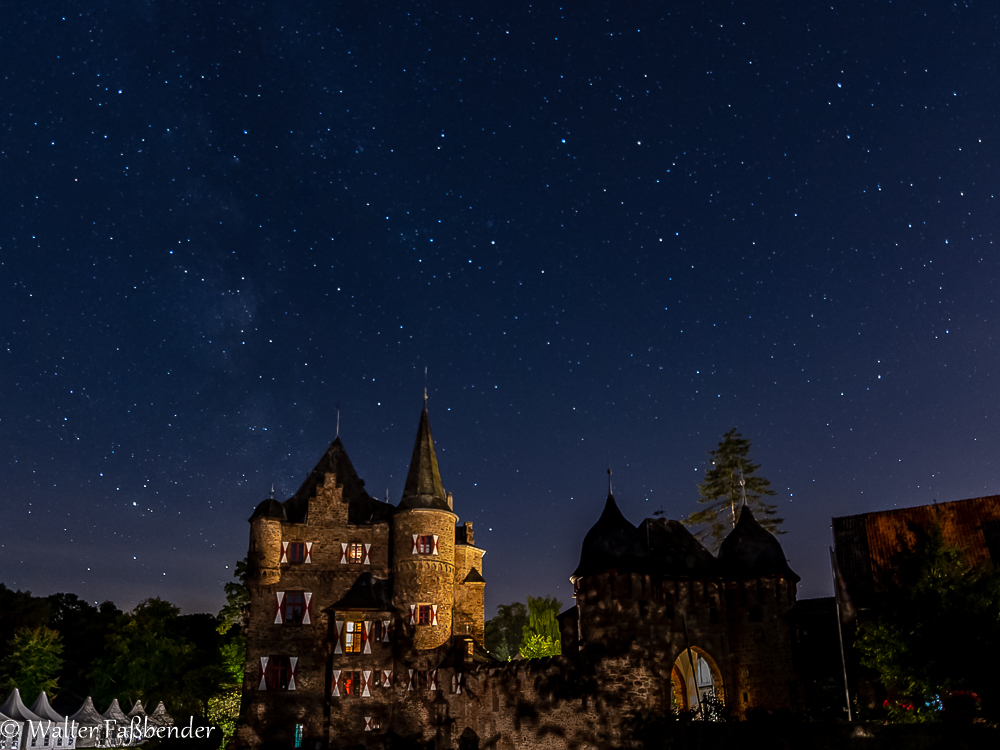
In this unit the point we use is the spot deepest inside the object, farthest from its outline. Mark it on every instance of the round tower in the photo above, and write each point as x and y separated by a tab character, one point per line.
423	555
264	555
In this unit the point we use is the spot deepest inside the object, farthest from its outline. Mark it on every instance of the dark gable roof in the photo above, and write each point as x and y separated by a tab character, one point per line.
474	576
367	592
750	551
612	543
423	487
674	551
362	508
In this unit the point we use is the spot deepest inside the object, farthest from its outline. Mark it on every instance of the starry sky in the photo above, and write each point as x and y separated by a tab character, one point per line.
596	233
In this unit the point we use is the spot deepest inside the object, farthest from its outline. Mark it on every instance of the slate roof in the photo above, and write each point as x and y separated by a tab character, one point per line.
269	508
866	544
367	592
474	576
423	487
660	546
751	551
612	543
334	461
674	551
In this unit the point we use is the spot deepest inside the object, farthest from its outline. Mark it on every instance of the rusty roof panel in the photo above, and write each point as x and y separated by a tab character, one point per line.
866	544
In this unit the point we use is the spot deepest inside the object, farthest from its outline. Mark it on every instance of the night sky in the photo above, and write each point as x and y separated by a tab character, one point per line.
608	233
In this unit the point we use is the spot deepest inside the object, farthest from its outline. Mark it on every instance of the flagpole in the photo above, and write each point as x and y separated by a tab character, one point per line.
840	632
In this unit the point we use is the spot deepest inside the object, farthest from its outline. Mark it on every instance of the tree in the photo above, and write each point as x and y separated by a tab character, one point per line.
83	628
730	479
933	638
145	658
224	706
33	663
541	635
237	599
505	630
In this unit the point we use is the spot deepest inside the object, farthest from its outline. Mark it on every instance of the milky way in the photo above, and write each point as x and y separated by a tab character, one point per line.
608	235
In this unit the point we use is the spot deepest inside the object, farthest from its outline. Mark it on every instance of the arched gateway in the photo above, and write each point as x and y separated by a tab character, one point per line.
694	680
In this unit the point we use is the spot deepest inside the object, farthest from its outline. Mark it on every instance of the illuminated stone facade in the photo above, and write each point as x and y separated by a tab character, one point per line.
366	625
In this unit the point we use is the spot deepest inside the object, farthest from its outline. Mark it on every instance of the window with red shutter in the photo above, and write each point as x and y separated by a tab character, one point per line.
278	673
296	553
424	614
353	636
293	607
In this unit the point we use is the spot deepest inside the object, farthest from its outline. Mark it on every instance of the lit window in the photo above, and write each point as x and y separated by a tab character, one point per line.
353	637
425	544
296	553
355	552
350	683
298	735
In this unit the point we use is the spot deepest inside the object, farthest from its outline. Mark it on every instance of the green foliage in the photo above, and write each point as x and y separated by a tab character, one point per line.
83	628
224	706
934	636
541	635
237	599
19	610
536	646
504	631
33	663
731	473
145	658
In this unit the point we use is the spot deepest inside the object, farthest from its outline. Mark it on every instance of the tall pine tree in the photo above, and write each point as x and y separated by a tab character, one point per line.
732	474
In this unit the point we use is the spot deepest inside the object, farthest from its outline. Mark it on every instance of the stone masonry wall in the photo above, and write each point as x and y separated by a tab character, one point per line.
425	578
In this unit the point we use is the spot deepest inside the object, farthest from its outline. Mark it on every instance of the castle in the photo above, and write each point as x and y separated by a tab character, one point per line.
366	623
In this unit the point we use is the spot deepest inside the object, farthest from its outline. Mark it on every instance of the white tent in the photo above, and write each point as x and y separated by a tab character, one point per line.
35	730
137	710
10	736
90	725
62	733
160	717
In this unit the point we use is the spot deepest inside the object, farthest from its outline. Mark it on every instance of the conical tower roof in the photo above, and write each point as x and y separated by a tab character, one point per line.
751	551
334	461
423	487
612	543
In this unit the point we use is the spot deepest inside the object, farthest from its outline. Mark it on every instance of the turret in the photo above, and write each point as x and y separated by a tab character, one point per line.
423	560
264	555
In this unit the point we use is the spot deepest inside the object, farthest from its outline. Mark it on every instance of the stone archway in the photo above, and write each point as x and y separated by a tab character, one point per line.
695	679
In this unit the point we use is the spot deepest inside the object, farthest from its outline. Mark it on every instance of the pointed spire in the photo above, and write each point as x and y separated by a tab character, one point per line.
423	482
611	490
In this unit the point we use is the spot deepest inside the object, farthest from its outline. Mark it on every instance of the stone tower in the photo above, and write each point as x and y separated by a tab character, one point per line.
423	555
